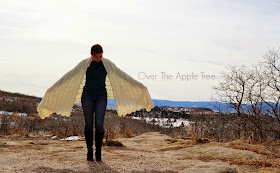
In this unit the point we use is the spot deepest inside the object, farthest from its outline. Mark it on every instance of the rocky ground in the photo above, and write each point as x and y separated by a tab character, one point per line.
149	152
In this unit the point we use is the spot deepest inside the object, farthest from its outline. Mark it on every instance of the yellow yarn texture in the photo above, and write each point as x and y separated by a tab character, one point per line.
129	94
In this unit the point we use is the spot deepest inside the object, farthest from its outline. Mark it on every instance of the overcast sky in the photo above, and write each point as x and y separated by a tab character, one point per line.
42	40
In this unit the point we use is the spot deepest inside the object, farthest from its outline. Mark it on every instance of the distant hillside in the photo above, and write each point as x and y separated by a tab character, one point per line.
215	106
112	105
6	94
161	103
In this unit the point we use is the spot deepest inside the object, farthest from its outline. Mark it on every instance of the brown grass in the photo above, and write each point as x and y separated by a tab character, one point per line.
271	150
175	144
254	162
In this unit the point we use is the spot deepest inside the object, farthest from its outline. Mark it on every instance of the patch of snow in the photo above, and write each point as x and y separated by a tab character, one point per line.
6	113
12	113
70	138
165	122
21	114
54	137
12	123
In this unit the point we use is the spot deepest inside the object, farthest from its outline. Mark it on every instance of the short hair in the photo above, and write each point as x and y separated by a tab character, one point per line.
95	49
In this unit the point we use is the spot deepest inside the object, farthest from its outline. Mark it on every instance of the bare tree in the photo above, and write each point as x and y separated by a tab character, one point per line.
232	91
253	111
271	71
254	93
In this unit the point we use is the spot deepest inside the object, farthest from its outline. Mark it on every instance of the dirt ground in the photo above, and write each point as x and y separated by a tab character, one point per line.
149	152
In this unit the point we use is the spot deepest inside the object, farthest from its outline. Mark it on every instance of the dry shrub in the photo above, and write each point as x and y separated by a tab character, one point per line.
123	126
196	129
112	132
128	132
115	126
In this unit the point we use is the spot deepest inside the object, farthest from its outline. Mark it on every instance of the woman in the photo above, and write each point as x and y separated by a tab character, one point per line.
85	84
94	101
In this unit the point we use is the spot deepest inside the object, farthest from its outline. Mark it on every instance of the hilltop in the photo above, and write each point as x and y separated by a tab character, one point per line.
148	152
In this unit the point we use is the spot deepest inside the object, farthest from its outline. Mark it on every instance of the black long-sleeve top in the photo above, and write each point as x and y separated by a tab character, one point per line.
95	79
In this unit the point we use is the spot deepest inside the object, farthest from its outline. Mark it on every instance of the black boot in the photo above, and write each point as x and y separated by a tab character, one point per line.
98	145
89	142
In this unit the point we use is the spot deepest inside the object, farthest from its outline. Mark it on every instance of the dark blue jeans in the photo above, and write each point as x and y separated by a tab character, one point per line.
94	104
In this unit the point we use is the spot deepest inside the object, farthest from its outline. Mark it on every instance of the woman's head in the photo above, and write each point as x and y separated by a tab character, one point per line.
96	52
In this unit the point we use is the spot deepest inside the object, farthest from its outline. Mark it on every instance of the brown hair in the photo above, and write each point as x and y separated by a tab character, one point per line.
95	49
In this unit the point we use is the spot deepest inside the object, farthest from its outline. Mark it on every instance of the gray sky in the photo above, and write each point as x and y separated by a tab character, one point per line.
42	40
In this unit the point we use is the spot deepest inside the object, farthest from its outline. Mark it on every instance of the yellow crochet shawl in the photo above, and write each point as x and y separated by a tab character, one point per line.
129	94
